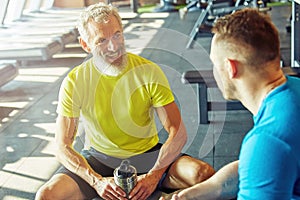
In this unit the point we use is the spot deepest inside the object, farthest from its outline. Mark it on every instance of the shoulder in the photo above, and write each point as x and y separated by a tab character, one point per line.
144	66
80	70
266	164
293	87
263	139
263	151
136	57
290	89
138	61
284	96
260	145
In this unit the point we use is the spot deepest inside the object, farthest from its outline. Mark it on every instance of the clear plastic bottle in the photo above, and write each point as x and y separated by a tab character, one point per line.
125	176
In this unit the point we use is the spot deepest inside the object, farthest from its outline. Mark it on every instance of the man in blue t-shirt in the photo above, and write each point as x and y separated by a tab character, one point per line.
245	52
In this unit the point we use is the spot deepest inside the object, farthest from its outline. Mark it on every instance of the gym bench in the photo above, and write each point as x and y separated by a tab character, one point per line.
7	73
205	80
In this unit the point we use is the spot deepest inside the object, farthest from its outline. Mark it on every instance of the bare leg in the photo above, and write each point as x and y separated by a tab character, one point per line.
186	172
222	185
59	187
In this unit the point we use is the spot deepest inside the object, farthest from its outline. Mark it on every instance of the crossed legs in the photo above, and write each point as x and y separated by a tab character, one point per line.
184	172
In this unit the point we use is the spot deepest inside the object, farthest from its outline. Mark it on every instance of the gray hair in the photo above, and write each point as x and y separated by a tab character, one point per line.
97	12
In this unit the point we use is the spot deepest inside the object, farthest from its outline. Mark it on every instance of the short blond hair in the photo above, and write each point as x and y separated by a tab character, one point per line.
97	12
251	33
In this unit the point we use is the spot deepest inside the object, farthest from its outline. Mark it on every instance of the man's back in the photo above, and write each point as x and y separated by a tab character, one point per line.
269	160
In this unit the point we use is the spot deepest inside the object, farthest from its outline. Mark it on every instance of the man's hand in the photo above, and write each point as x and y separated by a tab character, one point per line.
146	184
107	189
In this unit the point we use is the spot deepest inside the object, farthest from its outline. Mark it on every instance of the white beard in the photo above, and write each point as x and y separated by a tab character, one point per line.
105	67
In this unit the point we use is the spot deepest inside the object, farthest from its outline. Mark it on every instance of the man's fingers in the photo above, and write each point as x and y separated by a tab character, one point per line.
140	195
109	196
145	195
134	191
113	195
118	193
112	192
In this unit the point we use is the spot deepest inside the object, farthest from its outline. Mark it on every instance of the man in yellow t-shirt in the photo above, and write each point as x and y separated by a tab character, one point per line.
116	93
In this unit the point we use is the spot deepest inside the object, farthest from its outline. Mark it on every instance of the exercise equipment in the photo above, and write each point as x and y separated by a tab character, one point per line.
217	8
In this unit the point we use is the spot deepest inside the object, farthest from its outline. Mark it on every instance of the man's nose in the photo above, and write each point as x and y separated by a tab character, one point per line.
112	45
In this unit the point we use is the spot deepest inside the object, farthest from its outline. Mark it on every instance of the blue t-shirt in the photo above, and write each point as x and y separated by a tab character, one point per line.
269	167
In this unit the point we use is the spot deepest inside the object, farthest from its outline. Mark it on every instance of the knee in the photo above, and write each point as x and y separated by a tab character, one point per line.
202	171
44	193
198	170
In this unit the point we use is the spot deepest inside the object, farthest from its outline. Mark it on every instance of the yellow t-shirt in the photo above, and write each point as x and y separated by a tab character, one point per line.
117	112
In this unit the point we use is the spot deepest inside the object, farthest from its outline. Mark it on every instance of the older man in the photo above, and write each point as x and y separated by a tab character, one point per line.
116	93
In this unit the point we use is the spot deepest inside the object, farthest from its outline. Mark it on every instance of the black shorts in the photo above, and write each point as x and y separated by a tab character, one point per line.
105	165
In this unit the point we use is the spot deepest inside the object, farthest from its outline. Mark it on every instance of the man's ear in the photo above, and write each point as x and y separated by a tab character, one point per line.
232	67
84	45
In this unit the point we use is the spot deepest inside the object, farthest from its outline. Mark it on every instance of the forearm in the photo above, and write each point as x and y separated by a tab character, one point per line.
222	185
71	159
170	117
77	164
170	150
200	192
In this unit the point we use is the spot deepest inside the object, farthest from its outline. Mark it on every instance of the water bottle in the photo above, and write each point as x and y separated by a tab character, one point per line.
125	176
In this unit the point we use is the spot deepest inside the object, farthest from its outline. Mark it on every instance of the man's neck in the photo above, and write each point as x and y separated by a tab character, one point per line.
254	96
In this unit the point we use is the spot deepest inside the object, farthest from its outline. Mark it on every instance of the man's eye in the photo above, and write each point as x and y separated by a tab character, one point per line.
117	35
101	41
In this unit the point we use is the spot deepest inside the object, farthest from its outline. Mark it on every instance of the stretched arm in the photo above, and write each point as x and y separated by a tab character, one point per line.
170	117
72	160
222	185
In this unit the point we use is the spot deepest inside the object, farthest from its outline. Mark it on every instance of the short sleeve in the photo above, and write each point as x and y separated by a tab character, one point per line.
160	91
69	96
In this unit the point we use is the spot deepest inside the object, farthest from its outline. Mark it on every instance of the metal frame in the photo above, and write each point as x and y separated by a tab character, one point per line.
295	34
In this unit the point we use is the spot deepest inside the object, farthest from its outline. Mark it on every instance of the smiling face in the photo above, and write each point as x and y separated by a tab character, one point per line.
106	42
